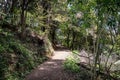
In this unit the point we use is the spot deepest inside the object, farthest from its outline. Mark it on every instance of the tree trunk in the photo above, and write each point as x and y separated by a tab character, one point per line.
53	35
23	15
73	39
22	22
68	40
46	8
12	10
12	6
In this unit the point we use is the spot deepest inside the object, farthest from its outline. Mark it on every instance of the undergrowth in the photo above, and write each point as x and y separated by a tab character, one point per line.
70	63
71	66
15	59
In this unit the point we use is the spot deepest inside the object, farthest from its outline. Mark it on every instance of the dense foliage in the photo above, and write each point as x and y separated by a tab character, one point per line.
16	60
30	28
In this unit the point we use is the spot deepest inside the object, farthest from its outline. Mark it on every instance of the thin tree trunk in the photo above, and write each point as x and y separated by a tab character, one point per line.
24	15
68	36
22	22
12	10
73	39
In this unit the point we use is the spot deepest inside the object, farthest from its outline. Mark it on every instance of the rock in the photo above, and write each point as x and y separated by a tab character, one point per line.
116	66
85	57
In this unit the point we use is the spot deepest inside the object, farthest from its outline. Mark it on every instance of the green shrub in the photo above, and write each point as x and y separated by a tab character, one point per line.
70	64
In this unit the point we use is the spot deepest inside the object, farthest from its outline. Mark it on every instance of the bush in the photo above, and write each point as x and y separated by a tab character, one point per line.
70	64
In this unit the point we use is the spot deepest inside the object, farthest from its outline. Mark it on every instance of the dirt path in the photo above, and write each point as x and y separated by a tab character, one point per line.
52	69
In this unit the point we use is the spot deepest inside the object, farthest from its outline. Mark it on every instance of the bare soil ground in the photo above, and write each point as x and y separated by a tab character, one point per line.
52	69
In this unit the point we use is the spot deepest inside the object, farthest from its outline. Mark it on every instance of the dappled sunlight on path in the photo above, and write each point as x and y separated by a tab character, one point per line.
61	55
52	69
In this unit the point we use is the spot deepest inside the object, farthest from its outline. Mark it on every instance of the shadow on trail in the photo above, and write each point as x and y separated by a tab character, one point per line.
52	69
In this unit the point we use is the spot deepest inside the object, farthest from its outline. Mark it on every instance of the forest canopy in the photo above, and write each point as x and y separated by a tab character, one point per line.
32	29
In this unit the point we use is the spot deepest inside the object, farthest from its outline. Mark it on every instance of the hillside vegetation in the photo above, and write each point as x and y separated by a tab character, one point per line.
30	30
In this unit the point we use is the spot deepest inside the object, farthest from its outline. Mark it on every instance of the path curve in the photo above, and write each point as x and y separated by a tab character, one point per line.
52	69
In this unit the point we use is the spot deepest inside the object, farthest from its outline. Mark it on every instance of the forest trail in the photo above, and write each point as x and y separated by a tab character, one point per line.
52	69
